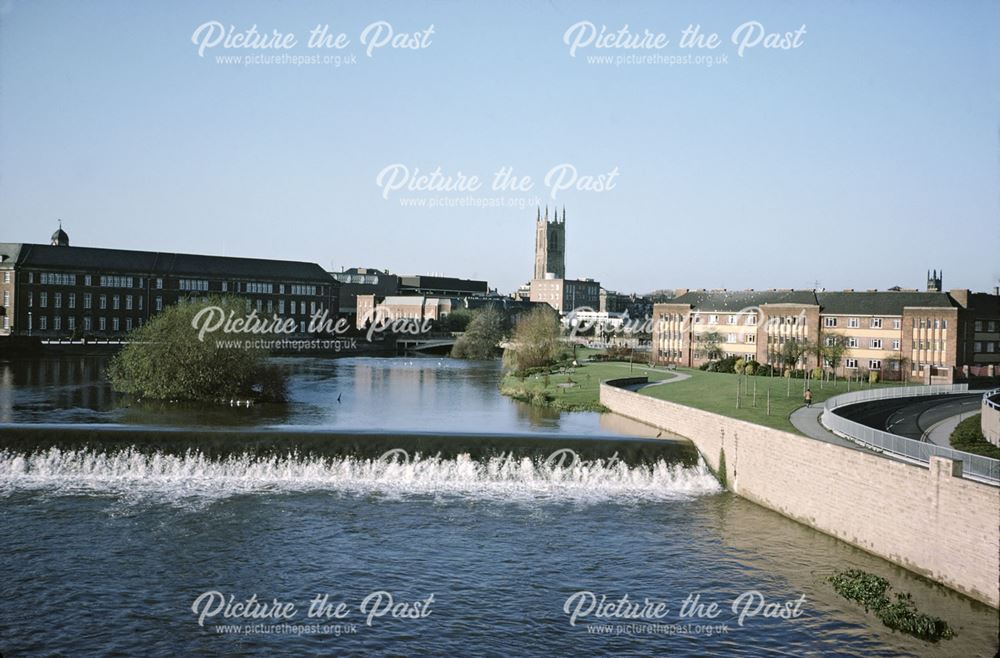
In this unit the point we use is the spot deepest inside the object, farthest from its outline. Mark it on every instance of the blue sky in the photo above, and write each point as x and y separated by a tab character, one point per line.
860	159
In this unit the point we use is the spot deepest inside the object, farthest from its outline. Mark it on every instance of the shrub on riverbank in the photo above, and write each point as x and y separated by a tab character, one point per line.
482	336
166	360
968	437
896	610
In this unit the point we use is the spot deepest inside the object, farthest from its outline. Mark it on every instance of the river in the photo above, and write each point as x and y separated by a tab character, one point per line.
130	545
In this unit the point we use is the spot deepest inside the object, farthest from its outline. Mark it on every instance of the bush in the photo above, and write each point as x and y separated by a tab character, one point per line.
482	336
873	377
165	360
897	612
764	370
751	367
816	373
968	437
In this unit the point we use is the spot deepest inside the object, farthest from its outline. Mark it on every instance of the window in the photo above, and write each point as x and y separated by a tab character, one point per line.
103	301
57	323
281	307
6	298
115	324
140	301
730	338
752	318
88	323
876	343
852	342
71	323
72	300
828	363
128	302
875	323
897	323
829	341
102	324
829	322
750	338
43	323
159	284
874	364
6	276
225	286
990	347
713	319
86	300
86	282
128	324
116	281
977	347
43	299
116	302
852	363
895	344
853	323
159	304
293	307
199	285
991	326
57	300
731	319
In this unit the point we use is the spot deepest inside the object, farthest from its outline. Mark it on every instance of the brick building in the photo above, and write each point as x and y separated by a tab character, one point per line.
926	336
58	291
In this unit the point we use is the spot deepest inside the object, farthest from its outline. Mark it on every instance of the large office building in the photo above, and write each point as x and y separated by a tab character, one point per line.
930	335
58	291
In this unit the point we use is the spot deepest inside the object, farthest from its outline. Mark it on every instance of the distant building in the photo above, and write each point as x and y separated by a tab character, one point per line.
441	286
550	245
550	284
402	307
564	295
363	281
58	291
903	334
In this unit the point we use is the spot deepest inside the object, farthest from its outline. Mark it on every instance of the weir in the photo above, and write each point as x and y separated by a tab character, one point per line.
359	444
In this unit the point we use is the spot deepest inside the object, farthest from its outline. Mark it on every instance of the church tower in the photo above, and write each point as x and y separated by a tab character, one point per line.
550	244
934	280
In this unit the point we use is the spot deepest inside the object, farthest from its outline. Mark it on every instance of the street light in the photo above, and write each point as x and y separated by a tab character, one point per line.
29	323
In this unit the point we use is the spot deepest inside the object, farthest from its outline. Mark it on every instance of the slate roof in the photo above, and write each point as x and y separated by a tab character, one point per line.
736	300
888	302
91	259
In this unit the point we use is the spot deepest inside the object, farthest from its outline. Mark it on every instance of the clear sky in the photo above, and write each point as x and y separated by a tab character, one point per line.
860	158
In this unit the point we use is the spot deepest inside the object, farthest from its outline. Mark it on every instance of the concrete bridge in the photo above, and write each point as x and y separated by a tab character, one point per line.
440	344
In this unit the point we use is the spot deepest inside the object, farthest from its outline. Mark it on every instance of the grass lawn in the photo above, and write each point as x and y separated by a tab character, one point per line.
968	437
716	392
577	388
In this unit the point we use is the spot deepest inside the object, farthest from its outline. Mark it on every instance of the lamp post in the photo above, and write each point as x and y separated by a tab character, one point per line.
29	323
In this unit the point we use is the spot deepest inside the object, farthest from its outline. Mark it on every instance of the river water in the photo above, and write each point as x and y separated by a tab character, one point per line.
130	545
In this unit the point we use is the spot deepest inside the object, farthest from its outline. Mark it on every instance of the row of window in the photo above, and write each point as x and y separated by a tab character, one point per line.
991	347
200	285
88	323
57	300
194	285
855	323
990	325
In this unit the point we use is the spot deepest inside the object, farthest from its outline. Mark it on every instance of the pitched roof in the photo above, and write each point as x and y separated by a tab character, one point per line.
152	262
889	302
736	300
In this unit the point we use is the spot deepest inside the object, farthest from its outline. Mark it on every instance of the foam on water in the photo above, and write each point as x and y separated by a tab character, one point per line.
177	478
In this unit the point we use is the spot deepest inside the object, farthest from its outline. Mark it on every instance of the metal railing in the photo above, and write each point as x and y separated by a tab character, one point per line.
989	402
974	467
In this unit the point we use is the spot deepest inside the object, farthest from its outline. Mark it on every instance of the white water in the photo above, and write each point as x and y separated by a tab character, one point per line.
179	478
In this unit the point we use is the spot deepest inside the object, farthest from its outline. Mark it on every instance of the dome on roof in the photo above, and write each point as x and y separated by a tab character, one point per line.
60	238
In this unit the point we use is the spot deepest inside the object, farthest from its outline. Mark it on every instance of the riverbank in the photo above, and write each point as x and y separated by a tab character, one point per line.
576	388
929	520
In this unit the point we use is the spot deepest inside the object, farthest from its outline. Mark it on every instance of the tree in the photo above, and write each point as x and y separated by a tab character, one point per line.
792	350
165	359
482	336
536	339
833	350
710	345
